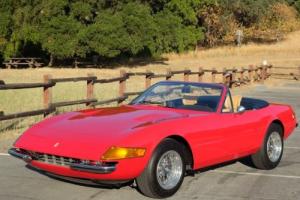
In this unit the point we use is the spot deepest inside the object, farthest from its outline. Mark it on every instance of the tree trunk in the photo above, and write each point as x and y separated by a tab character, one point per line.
50	64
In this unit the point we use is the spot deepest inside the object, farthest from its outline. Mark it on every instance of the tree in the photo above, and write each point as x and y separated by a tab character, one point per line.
173	36
65	29
128	30
59	36
247	12
57	30
5	22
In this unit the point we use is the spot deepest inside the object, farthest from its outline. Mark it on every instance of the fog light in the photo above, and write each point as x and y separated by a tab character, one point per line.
117	153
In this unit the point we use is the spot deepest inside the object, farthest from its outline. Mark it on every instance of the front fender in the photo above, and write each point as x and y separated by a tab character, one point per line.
150	137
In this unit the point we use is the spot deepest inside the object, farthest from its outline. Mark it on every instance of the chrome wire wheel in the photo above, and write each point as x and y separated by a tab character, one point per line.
169	170
274	146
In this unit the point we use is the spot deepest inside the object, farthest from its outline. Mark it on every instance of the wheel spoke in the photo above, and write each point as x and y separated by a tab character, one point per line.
169	169
274	146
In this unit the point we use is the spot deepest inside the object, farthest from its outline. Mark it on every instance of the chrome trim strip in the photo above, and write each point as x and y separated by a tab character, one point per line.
20	155
93	168
98	169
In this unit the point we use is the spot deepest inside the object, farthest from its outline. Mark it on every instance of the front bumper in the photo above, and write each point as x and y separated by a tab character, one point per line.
20	155
80	166
93	168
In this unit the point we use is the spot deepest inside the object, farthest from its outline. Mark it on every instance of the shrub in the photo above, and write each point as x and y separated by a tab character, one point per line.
283	18
280	19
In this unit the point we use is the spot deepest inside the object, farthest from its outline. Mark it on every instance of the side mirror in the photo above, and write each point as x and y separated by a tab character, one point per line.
241	109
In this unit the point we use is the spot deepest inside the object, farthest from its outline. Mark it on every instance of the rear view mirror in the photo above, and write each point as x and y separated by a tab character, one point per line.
241	109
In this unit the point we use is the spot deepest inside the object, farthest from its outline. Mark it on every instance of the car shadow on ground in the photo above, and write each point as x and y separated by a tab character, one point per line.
110	185
245	161
82	182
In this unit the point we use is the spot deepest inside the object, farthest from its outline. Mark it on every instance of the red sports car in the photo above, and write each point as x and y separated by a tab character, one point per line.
173	128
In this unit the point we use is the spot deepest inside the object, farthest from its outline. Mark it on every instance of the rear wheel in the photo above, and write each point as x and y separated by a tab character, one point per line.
269	155
165	171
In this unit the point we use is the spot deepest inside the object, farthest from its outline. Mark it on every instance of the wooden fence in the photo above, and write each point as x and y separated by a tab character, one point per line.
292	74
230	77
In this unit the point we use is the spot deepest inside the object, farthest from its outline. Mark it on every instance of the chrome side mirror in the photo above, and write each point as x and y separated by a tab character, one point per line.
241	109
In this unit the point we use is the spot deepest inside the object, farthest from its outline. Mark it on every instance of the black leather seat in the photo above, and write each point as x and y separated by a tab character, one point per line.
209	101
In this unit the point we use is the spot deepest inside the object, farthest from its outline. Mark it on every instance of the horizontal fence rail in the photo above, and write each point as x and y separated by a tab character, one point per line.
278	74
25	85
232	77
61	80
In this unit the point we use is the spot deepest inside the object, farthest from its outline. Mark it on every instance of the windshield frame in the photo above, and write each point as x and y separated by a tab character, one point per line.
221	87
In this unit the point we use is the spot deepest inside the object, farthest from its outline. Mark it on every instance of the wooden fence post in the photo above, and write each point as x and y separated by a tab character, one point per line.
268	71
242	74
122	84
148	79
263	73
213	75
186	75
224	80
256	73
260	69
90	88
169	74
200	75
271	71
250	72
47	93
233	74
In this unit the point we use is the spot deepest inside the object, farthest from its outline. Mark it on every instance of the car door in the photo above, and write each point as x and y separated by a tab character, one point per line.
241	130
226	135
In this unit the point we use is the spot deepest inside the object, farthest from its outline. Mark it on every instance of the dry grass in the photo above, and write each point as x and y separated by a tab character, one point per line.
285	53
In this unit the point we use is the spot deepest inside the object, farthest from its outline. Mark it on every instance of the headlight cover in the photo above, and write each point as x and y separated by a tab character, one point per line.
118	153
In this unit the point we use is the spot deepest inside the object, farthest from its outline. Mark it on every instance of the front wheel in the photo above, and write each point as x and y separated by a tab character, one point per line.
269	155
165	171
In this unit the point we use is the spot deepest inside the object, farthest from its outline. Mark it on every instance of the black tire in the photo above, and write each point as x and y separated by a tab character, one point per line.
261	159
148	183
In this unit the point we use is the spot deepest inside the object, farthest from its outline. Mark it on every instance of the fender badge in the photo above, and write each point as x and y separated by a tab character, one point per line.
56	144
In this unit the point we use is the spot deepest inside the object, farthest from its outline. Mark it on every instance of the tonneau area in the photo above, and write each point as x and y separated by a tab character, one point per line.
253	104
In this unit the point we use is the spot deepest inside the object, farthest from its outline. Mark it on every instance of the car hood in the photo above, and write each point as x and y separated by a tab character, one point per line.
75	134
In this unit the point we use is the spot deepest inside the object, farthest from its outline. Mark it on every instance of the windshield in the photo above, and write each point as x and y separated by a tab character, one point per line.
192	96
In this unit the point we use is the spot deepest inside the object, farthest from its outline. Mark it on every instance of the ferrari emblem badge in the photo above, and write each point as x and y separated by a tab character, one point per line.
56	144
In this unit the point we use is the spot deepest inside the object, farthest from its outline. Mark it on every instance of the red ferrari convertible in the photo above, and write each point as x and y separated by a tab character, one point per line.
173	128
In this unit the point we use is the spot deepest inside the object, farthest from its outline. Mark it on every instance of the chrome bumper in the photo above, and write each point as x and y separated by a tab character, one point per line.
20	155
98	169
84	167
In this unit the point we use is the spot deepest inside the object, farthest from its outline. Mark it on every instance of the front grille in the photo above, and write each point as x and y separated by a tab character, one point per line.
91	166
56	160
53	159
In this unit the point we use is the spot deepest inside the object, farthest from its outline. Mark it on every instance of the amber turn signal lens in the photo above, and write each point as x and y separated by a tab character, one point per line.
118	153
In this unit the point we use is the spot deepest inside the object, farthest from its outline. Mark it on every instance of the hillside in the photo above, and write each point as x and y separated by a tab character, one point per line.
283	53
